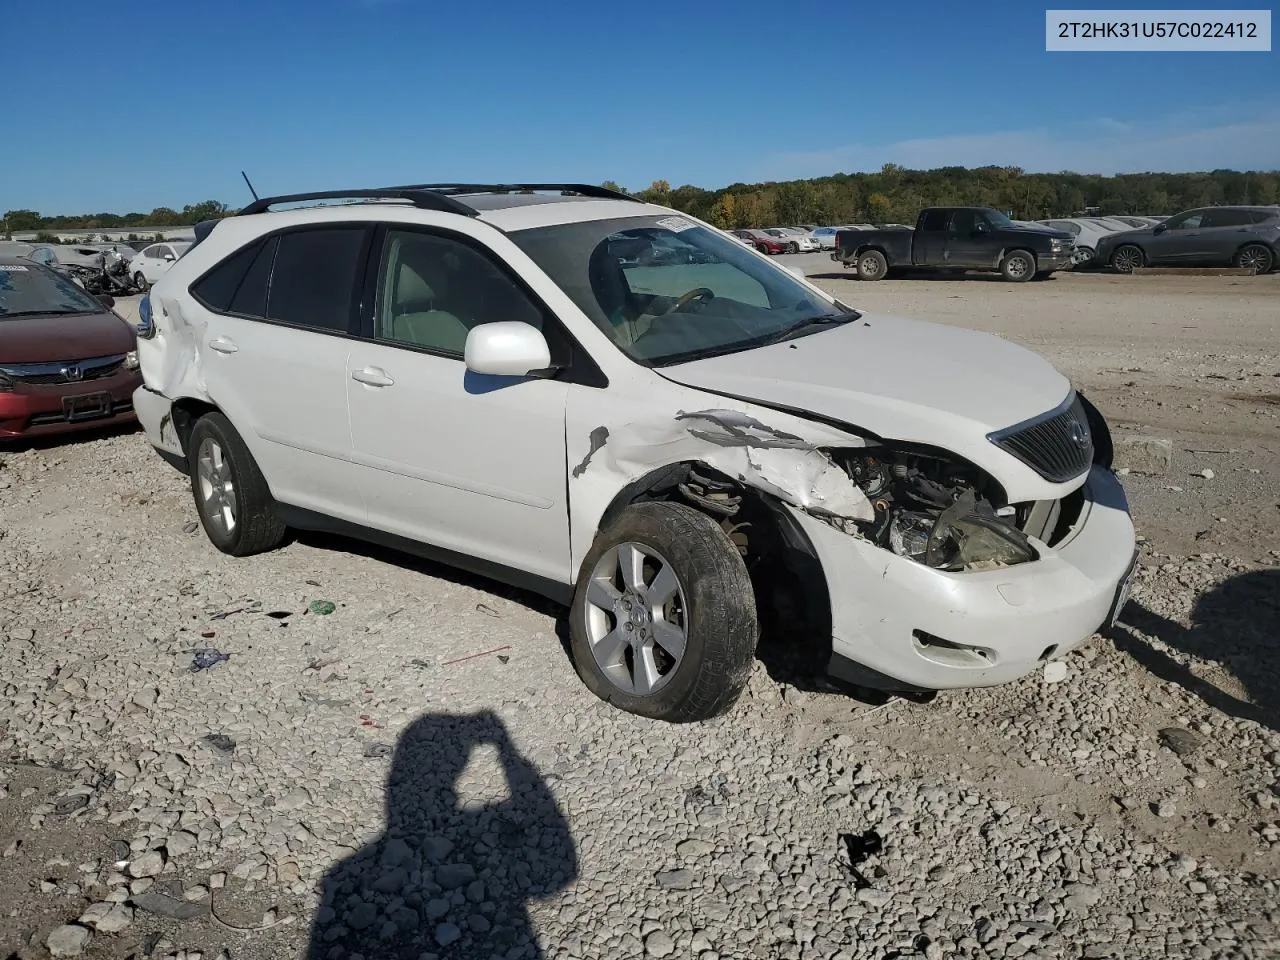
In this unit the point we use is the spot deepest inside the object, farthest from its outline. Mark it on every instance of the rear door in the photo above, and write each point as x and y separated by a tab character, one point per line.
281	316
929	242
1222	232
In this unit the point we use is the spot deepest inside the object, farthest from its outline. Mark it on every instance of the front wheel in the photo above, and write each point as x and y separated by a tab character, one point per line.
1081	257
232	497
1127	258
1018	266
663	622
1255	257
872	265
140	282
794	248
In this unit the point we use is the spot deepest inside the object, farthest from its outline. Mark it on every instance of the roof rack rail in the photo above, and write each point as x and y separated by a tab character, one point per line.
585	189
420	197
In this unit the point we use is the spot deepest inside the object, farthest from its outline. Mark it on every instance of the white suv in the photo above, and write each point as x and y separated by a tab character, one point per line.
672	446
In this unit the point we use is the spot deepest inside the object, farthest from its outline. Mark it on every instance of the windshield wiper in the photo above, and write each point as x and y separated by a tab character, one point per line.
812	325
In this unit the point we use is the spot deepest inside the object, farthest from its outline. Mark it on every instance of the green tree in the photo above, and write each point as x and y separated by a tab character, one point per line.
613	185
657	192
21	220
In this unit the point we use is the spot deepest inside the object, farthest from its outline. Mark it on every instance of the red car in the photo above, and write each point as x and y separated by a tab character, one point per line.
67	360
762	241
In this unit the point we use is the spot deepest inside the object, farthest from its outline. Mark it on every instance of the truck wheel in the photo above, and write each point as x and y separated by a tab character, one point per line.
663	622
1018	266
232	497
1128	258
872	265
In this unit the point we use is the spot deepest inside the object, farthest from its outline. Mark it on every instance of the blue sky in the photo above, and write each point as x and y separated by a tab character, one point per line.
128	107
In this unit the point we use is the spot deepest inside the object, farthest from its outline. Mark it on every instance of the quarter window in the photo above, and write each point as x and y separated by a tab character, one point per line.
433	290
934	220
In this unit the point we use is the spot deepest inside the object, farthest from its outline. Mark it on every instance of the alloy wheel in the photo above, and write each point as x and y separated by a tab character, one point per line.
636	618
217	488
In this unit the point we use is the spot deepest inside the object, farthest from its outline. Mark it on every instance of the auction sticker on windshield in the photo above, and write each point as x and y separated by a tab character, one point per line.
676	224
12	268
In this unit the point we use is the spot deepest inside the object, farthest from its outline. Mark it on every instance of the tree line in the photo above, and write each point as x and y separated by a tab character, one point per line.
892	194
895	195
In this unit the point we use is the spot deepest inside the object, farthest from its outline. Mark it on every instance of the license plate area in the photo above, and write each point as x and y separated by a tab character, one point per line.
86	406
1122	593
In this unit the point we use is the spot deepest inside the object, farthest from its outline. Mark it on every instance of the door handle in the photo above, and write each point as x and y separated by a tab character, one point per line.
223	345
373	376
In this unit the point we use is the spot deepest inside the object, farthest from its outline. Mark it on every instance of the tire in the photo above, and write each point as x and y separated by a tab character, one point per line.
1018	266
793	248
1257	256
872	265
710	604
762	248
140	282
1082	257
227	485
1127	258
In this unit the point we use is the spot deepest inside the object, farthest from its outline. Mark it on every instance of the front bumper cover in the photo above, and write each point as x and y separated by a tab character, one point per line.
917	628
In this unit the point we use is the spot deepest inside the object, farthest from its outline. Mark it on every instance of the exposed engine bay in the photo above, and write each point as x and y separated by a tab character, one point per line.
935	511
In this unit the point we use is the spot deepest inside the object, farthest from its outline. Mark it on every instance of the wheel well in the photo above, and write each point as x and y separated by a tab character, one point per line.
185	412
1120	246
867	248
1011	250
1259	243
791	589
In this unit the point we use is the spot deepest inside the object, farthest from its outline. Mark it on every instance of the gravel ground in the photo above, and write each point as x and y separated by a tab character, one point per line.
345	784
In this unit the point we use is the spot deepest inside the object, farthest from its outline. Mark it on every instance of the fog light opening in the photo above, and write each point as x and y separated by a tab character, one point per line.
928	643
1049	651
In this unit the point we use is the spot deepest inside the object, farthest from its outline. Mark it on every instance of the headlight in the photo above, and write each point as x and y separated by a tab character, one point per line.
131	360
970	536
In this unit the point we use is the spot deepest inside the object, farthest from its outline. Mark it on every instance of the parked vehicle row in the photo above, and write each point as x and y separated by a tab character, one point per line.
982	238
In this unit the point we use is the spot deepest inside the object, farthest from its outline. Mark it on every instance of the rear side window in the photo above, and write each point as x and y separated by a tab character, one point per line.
1226	218
1264	216
218	287
314	278
250	298
934	220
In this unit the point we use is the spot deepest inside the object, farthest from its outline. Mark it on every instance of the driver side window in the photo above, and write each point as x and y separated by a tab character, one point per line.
433	289
1188	222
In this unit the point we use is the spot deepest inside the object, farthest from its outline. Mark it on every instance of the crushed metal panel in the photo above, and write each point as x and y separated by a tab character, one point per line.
781	463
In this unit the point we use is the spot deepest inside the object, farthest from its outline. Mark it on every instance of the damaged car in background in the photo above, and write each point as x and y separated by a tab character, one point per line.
618	406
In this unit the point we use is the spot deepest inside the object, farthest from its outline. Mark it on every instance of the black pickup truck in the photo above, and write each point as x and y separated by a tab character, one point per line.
957	238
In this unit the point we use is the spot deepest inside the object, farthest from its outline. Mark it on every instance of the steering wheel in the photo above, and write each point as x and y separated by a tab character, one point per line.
697	293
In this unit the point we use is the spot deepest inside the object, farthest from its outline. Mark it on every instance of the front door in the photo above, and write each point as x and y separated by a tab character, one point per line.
469	463
1178	241
969	242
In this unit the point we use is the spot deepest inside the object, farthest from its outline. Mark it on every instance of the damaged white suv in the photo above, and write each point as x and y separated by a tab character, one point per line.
618	406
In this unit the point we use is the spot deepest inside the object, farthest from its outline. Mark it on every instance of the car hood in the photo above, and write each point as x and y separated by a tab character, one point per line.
50	338
1042	231
1128	236
899	379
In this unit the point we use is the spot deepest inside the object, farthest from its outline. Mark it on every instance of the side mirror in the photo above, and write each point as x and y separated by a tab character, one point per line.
507	348
170	257
106	300
1159	228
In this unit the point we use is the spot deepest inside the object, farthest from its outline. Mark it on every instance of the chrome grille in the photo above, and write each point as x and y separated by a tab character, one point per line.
69	371
1057	445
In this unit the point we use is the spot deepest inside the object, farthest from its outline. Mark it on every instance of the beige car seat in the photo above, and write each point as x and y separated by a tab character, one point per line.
420	285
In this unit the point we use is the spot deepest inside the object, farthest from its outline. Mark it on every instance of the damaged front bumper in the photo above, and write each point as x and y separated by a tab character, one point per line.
900	625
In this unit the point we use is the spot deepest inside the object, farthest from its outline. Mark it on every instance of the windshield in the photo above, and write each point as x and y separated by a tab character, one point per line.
667	290
33	290
998	219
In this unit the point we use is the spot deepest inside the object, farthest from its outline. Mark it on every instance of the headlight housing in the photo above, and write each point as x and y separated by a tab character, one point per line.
970	536
131	360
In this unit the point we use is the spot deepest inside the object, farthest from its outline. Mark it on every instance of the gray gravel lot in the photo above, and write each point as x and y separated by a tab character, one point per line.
347	785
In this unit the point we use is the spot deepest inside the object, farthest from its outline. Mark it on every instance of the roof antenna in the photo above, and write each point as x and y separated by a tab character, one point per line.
249	185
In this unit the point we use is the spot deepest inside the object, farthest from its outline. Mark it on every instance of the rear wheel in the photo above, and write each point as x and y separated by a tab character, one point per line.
663	622
1018	266
762	248
1255	257
140	282
872	265
1127	258
232	497
794	248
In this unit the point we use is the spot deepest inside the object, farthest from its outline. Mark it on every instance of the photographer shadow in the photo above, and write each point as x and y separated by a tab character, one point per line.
1235	625
460	858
